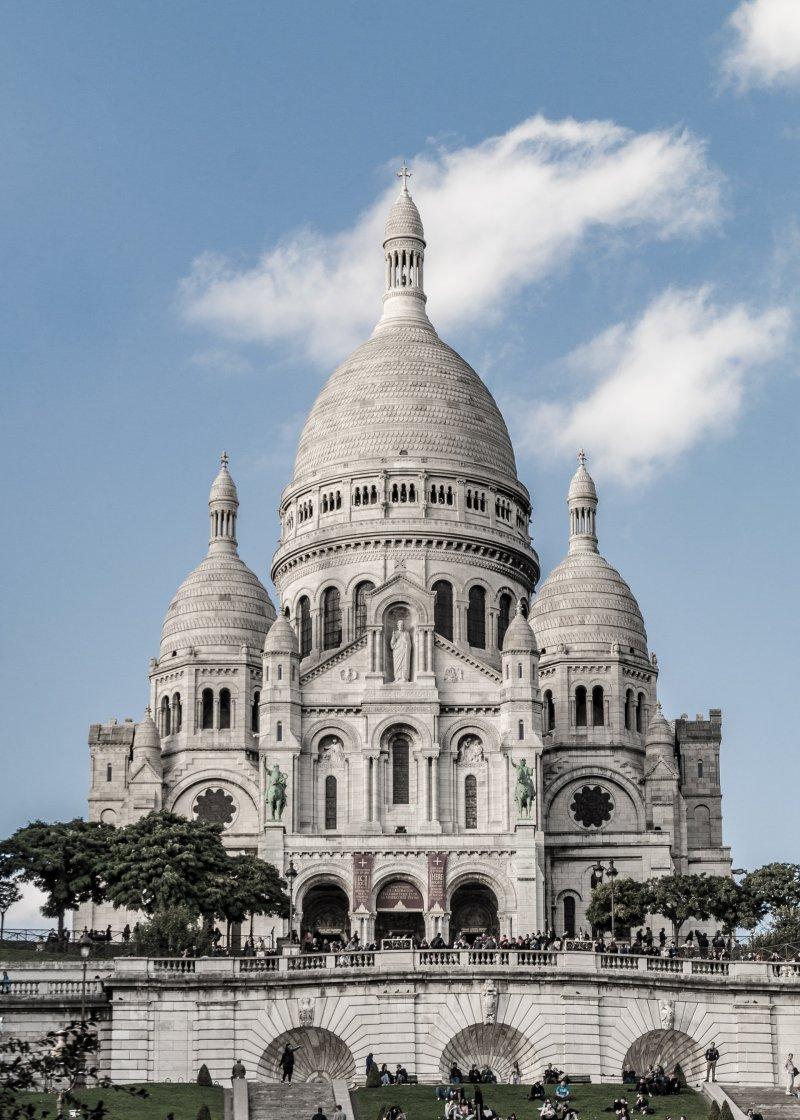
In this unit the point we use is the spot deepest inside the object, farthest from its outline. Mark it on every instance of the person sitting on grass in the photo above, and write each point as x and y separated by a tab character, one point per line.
537	1092
474	1074
642	1104
562	1089
547	1111
487	1076
551	1074
456	1076
628	1075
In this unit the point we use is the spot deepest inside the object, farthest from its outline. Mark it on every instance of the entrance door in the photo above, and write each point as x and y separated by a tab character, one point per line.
474	912
399	908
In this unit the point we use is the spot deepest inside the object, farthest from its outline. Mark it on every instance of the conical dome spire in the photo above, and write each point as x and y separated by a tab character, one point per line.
582	501
223	502
404	255
146	742
519	637
659	732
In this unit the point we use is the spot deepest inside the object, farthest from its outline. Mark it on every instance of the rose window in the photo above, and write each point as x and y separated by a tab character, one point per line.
215	806
592	806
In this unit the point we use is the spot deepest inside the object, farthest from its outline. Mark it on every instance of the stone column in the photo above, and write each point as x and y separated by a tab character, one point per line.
435	788
374	768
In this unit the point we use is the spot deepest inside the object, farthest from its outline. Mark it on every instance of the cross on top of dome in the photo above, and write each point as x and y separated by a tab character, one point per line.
582	457
405	175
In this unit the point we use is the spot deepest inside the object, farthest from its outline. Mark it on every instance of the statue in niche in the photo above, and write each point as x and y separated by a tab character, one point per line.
331	751
489	1002
306	1011
525	790
470	750
401	652
276	790
667	1013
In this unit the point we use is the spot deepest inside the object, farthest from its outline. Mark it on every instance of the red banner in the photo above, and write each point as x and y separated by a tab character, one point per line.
437	872
362	879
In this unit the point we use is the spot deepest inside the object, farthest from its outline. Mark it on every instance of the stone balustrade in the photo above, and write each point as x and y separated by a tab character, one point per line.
52	989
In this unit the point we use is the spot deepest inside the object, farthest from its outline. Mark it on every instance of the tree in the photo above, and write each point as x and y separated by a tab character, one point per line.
164	861
680	897
249	886
729	904
713	1111
204	1077
774	890
631	904
173	932
63	859
9	894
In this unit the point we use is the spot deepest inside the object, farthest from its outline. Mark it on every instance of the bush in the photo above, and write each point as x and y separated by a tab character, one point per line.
203	1112
725	1112
204	1077
374	1077
172	932
713	1112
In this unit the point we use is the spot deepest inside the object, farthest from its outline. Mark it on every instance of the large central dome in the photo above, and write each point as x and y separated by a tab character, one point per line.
404	391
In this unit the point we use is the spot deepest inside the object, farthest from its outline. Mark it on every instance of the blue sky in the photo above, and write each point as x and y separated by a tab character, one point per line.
188	216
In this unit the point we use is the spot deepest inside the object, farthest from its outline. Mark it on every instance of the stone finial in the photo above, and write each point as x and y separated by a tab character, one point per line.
405	175
582	457
224	460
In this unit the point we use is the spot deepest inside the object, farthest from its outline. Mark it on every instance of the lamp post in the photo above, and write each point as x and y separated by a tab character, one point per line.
86	948
291	875
611	871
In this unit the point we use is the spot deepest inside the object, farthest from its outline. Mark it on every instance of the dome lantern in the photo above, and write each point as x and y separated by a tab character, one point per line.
404	256
582	501
223	502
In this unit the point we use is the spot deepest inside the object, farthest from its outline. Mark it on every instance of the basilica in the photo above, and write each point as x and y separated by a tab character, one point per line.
427	738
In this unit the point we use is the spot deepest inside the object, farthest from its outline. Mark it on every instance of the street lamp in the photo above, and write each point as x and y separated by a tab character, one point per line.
291	875
611	871
86	948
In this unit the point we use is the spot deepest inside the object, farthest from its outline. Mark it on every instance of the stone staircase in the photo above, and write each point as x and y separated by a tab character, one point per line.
298	1101
773	1104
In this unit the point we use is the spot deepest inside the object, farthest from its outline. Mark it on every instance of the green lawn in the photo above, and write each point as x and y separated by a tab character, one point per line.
419	1102
183	1101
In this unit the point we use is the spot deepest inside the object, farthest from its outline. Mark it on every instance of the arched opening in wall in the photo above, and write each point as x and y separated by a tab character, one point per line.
325	913
667	1048
255	713
598	707
109	772
495	1045
331	802
320	1056
629	710
207	709
400	751
166	728
568	907
360	607
702	826
503	617
580	706
224	709
473	911
331	619
640	713
399	908
549	711
304	625
476	617
470	801
443	609
177	713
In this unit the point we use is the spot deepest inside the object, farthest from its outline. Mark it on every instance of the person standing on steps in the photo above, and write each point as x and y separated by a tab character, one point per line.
338	1113
319	1114
712	1057
287	1062
791	1073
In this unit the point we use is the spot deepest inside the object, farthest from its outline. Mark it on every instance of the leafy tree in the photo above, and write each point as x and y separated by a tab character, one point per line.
631	904
680	897
713	1111
203	1113
725	1112
173	932
204	1077
249	886
729	903
164	861
63	859
774	890
9	894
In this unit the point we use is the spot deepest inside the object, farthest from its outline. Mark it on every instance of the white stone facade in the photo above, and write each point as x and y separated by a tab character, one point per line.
399	765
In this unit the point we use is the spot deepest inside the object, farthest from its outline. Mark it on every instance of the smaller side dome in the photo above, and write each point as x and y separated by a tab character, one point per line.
281	638
519	636
146	734
223	488
659	732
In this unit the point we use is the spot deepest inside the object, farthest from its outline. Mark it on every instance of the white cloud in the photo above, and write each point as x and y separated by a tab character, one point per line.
499	216
765	46
650	390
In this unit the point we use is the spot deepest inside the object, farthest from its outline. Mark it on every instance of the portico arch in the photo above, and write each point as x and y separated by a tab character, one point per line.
474	911
325	911
495	1045
667	1048
320	1056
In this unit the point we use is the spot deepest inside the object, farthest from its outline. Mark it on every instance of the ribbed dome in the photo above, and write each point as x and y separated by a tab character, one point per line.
585	604
223	488
404	390
281	637
221	603
582	486
404	219
146	734
519	637
659	733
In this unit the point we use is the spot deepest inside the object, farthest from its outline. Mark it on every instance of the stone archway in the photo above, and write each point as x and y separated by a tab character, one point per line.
668	1049
325	912
495	1045
473	909
399	911
321	1056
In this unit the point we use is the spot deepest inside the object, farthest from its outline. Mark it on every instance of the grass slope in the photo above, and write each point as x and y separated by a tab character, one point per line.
419	1102
183	1101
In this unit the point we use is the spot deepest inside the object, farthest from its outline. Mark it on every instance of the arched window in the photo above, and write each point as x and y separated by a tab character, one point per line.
521	729
207	718
255	716
443	609
331	619
700	768
400	775
476	617
580	706
177	713
702	827
166	728
279	732
304	625
360	607
109	772
640	713
549	712
330	802
470	801
224	709
503	618
598	707
629	710
569	916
